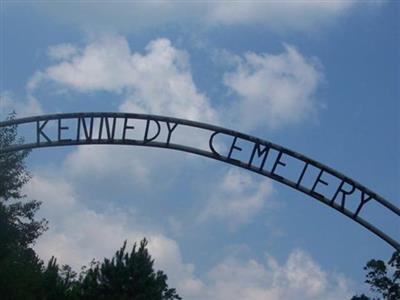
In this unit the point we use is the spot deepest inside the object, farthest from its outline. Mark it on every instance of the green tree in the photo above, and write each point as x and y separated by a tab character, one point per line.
20	267
13	176
59	283
126	276
384	279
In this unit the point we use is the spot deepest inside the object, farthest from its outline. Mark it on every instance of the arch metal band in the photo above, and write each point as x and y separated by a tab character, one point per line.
115	129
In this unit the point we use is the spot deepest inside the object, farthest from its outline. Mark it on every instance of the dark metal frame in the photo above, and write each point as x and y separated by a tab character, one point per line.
366	194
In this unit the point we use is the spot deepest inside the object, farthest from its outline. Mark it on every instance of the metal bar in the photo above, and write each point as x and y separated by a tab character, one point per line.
210	127
183	148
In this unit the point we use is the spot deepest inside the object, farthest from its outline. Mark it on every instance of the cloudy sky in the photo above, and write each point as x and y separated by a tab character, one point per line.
319	77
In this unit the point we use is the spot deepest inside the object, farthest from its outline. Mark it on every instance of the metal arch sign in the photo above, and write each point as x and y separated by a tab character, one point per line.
304	174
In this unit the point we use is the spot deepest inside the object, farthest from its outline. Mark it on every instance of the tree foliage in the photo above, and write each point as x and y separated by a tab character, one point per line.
13	173
59	283
384	279
20	267
126	276
24	229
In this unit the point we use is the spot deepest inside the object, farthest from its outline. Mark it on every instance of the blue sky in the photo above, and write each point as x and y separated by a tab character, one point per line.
321	78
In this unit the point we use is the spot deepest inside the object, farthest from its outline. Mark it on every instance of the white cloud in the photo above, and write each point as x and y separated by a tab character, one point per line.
104	65
62	51
28	107
294	15
157	82
165	85
78	234
299	278
110	163
126	168
58	196
273	90
237	198
300	16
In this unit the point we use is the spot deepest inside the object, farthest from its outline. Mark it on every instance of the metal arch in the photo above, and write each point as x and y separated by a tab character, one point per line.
261	149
